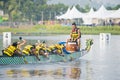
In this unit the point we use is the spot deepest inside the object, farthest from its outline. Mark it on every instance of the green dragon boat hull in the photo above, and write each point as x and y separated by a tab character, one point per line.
33	59
68	56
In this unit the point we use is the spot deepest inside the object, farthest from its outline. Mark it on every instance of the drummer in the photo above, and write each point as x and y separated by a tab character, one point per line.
75	34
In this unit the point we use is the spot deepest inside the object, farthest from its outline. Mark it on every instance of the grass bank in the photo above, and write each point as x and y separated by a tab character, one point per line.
101	29
58	29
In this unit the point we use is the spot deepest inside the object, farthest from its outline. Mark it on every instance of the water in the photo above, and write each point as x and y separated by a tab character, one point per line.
101	63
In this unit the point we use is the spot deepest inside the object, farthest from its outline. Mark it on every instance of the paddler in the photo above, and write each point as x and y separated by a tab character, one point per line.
56	49
30	50
41	49
12	50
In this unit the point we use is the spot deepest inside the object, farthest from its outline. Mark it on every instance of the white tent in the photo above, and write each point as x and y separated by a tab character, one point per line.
102	13
116	14
74	13
90	12
87	18
71	14
64	15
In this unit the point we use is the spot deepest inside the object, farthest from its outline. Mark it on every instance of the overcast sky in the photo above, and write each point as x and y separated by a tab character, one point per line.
92	3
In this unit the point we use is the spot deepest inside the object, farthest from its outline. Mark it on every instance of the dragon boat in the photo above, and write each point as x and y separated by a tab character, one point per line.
69	52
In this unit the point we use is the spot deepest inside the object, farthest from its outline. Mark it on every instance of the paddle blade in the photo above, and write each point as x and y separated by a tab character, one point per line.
25	61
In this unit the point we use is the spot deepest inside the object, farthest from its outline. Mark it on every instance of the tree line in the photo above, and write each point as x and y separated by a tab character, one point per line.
35	10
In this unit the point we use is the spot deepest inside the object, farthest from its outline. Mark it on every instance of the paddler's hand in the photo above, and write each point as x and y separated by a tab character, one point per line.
72	39
75	39
38	59
20	38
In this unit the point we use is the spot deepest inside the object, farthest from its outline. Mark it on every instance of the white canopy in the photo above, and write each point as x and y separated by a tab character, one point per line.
87	19
116	14
102	13
74	13
64	15
71	14
89	14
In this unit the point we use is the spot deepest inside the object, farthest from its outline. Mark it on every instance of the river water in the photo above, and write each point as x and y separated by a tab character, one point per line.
101	63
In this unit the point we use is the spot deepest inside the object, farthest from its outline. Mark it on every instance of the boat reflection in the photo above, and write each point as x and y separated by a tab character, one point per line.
63	72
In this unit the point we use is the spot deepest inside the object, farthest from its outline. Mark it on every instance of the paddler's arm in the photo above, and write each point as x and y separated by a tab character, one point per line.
21	43
71	35
79	34
34	52
37	57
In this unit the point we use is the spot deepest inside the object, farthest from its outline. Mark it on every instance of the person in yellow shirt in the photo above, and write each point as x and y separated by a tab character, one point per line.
56	49
41	49
75	34
30	50
12	50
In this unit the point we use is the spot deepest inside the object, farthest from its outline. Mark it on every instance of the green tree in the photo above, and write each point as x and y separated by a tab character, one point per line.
29	10
117	7
80	8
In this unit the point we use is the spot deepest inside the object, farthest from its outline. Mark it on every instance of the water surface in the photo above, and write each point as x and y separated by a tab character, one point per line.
101	63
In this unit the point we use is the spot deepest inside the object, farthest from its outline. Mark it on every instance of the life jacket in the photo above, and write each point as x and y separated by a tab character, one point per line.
38	48
58	46
27	49
10	50
75	33
52	47
42	45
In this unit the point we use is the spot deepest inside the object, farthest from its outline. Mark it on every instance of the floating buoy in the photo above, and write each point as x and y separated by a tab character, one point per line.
6	39
105	36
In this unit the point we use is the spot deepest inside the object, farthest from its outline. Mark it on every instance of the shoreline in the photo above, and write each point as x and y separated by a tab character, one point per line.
58	29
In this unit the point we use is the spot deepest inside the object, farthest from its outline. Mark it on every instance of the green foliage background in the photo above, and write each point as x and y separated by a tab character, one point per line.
32	10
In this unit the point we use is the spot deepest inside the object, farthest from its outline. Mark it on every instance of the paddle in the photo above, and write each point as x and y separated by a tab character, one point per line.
65	52
26	62
64	59
24	59
37	57
46	52
20	54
